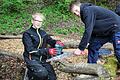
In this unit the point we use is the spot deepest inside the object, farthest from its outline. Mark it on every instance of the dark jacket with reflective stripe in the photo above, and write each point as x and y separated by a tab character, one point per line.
31	41
98	22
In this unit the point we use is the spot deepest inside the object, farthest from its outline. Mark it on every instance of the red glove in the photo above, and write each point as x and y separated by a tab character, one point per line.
52	51
60	43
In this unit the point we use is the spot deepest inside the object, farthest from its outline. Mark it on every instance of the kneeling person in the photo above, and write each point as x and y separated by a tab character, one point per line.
35	42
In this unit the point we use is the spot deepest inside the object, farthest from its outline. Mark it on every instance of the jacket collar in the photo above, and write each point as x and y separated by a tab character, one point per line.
83	6
33	28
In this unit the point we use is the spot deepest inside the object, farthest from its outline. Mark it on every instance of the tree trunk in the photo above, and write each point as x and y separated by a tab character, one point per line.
69	43
10	37
86	77
84	68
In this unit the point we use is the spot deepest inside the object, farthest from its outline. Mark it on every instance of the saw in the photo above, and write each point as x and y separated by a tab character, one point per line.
62	56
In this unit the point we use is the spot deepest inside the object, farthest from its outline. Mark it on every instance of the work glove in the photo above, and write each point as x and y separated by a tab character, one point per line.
60	43
52	51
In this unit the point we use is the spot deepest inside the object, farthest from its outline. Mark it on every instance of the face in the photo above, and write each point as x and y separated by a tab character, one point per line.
76	10
37	22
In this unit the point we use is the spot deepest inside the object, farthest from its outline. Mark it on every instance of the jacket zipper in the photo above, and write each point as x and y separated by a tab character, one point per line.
40	42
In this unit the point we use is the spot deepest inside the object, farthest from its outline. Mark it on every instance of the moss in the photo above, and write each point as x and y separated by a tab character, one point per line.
111	65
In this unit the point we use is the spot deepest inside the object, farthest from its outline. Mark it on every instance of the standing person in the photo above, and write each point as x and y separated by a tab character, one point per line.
101	26
35	42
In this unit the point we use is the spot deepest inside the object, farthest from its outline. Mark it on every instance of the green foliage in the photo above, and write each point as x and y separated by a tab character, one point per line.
57	12
107	4
14	23
16	15
63	6
69	30
104	3
111	65
11	6
53	15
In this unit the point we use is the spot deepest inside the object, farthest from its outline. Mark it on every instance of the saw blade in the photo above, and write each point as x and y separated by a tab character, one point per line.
60	57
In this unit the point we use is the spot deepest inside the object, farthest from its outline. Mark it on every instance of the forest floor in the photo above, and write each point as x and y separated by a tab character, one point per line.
12	67
11	64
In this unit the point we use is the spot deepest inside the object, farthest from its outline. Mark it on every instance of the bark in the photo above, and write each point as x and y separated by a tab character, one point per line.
10	37
90	77
86	77
84	68
69	43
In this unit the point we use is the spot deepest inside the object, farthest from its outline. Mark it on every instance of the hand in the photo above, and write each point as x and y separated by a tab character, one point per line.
52	51
79	52
60	43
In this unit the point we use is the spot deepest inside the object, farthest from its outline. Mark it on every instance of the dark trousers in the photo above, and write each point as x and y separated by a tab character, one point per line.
40	71
96	42
51	72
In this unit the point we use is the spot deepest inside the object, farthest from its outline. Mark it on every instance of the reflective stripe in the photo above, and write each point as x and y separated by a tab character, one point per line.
40	58
26	75
33	51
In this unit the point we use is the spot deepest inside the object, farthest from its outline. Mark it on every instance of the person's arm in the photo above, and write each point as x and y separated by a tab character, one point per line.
50	41
89	21
53	42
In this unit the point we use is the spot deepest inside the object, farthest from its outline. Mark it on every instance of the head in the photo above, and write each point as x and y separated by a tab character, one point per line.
37	20
75	7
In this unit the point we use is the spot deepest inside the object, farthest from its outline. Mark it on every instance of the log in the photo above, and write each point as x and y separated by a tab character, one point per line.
90	77
86	77
95	71
69	43
10	37
84	68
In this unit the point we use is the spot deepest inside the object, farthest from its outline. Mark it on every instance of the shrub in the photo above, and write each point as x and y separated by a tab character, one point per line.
11	6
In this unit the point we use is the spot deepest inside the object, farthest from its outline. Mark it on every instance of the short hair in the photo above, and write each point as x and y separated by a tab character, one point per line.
38	14
76	2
